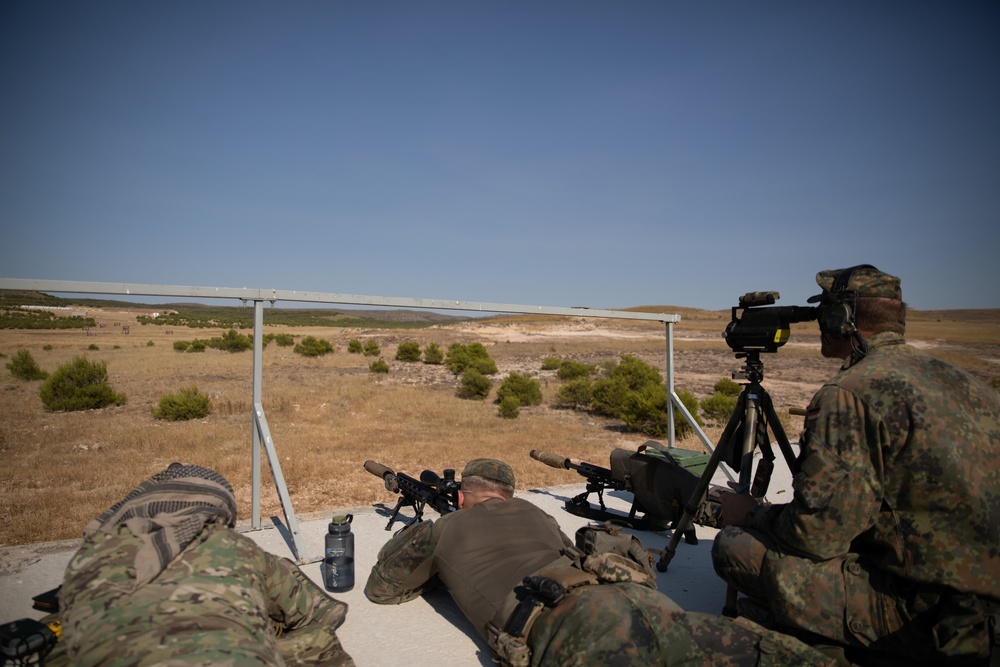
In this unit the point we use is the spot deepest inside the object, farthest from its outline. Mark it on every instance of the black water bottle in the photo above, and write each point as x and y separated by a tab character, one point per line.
338	560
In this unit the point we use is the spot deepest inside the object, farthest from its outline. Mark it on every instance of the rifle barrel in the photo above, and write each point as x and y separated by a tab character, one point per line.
551	460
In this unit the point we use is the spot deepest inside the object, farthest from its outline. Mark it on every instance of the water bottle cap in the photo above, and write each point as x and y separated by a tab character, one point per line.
341	519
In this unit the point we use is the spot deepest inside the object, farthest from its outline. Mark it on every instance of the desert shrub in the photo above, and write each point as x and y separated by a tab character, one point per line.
186	404
182	345
646	411
509	407
630	375
474	385
571	370
93	347
313	347
995	383
284	340
46	347
378	366
551	363
408	351
527	390
575	393
24	367
472	356
116	347
79	385
433	354
232	341
354	346
371	348
727	387
718	406
197	345
150	343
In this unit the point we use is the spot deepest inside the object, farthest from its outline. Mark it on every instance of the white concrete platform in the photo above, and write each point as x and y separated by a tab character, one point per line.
427	631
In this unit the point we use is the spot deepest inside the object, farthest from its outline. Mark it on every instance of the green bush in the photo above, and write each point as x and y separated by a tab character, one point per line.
46	347
727	387
371	348
551	363
188	403
474	385
630	375
24	367
995	383
232	341
378	366
718	406
93	347
182	345
472	356
313	347
571	370
646	411
79	385
408	351
197	345
150	343
433	354
510	407
575	394
354	346
284	340
527	390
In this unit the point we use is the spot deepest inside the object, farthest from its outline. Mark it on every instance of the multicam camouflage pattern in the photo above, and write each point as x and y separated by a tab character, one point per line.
223	601
894	522
482	553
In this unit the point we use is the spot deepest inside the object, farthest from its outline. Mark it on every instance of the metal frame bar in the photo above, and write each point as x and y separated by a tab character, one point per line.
260	433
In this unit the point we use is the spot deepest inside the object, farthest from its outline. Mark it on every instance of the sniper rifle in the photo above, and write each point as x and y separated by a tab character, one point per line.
441	493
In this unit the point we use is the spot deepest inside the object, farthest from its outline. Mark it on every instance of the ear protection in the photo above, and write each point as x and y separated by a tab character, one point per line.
837	318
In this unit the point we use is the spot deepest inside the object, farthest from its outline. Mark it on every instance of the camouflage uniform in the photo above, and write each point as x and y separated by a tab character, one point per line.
890	542
220	601
483	552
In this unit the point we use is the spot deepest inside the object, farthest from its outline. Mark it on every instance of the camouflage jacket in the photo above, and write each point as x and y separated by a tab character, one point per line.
222	601
480	554
899	464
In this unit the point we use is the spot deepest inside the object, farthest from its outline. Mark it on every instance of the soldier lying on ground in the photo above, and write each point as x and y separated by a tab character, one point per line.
889	545
162	578
525	587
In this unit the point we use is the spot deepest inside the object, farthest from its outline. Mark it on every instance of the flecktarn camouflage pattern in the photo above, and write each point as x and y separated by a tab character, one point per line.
891	540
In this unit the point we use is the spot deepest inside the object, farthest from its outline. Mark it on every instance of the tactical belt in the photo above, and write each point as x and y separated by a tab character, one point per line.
511	644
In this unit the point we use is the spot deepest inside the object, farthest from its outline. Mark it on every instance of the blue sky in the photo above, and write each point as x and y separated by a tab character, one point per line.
558	153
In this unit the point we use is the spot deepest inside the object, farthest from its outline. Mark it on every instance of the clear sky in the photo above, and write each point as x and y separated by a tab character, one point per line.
558	153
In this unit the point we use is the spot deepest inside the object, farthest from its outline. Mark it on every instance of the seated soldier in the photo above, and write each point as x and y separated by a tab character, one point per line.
162	578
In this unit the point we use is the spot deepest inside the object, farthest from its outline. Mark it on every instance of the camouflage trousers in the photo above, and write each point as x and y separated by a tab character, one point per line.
846	601
630	624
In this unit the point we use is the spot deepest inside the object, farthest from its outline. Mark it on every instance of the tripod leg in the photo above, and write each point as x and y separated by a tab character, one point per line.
698	495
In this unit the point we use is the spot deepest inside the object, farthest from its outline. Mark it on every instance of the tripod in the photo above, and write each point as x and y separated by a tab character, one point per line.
748	426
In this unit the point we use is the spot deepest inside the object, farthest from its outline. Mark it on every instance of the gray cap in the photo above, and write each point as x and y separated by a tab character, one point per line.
866	280
490	469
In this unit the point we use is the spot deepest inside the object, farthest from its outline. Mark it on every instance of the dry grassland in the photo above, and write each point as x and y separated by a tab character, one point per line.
329	415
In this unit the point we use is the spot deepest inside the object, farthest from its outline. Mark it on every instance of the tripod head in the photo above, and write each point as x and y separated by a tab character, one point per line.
753	367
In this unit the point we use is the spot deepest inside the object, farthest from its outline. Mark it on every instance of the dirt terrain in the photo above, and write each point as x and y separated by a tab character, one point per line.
328	415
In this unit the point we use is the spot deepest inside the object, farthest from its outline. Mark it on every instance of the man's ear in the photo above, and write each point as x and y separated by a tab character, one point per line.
461	499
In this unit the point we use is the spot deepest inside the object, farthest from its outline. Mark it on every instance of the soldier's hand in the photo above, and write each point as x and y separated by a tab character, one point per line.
736	508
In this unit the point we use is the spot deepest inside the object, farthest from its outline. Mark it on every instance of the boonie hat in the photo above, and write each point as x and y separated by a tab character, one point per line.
866	281
490	469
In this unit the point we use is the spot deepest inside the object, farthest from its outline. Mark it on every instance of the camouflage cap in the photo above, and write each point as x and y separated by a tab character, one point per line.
866	280
490	469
